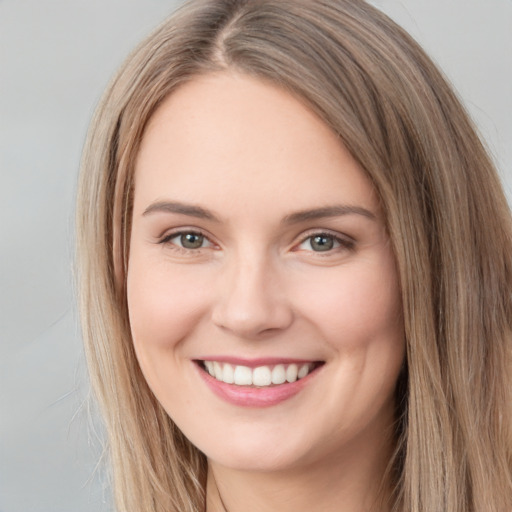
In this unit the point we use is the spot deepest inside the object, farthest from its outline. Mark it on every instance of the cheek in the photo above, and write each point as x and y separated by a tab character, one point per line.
355	306
358	314
164	305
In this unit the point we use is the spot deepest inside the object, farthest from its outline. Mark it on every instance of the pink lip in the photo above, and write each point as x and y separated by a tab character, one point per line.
247	396
254	363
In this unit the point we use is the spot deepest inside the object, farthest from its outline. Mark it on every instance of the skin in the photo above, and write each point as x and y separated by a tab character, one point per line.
253	156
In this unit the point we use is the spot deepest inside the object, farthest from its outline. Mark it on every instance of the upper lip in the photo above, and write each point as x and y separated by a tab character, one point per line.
256	362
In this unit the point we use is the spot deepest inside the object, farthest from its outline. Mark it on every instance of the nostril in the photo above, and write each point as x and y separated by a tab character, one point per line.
253	322
251	303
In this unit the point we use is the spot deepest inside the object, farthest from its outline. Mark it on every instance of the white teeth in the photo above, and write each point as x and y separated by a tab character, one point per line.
278	374
209	367
228	374
261	376
303	371
291	373
243	376
217	368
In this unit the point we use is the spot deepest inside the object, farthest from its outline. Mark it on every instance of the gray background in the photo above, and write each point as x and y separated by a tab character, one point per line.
56	58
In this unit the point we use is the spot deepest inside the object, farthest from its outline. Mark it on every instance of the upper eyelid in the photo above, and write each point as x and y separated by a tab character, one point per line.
167	234
335	234
345	242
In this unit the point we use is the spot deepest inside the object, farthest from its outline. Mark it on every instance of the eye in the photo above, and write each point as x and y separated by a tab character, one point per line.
189	240
324	242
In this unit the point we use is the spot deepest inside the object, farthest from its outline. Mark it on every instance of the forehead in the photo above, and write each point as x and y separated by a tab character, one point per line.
228	138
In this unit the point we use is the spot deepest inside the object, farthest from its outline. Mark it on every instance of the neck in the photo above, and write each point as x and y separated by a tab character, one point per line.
352	483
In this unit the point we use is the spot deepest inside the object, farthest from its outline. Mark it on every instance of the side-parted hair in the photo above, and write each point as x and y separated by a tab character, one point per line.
446	215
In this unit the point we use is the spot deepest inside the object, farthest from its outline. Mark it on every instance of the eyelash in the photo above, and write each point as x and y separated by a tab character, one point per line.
167	240
345	243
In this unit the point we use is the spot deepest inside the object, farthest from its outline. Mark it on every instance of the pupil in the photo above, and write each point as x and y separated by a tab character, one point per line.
192	241
322	243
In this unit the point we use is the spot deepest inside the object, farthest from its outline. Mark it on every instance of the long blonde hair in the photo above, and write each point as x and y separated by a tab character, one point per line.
446	215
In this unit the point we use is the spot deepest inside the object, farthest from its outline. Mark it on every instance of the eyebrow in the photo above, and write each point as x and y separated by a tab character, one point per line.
294	218
180	208
328	211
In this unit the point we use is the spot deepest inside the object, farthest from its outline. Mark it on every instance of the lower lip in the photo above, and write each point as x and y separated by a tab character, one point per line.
246	396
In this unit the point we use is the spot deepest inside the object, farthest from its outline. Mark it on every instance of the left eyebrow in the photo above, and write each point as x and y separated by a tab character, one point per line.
180	208
328	211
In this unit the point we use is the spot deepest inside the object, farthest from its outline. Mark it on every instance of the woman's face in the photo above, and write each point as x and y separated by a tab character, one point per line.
259	254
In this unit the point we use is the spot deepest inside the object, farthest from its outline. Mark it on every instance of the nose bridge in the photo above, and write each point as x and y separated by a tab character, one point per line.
250	301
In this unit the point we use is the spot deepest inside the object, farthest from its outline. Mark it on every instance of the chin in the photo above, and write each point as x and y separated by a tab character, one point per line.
257	461
260	453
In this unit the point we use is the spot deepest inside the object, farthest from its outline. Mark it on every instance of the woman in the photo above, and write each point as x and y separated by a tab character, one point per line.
295	270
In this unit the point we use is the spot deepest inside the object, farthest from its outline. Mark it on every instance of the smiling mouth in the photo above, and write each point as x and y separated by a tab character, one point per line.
260	376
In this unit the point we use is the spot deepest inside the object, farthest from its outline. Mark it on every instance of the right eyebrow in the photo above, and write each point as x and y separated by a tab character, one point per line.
328	211
180	208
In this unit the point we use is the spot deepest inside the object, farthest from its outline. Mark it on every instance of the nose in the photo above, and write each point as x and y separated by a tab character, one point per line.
250	302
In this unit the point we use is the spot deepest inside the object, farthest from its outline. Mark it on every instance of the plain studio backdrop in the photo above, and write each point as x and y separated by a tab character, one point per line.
56	58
